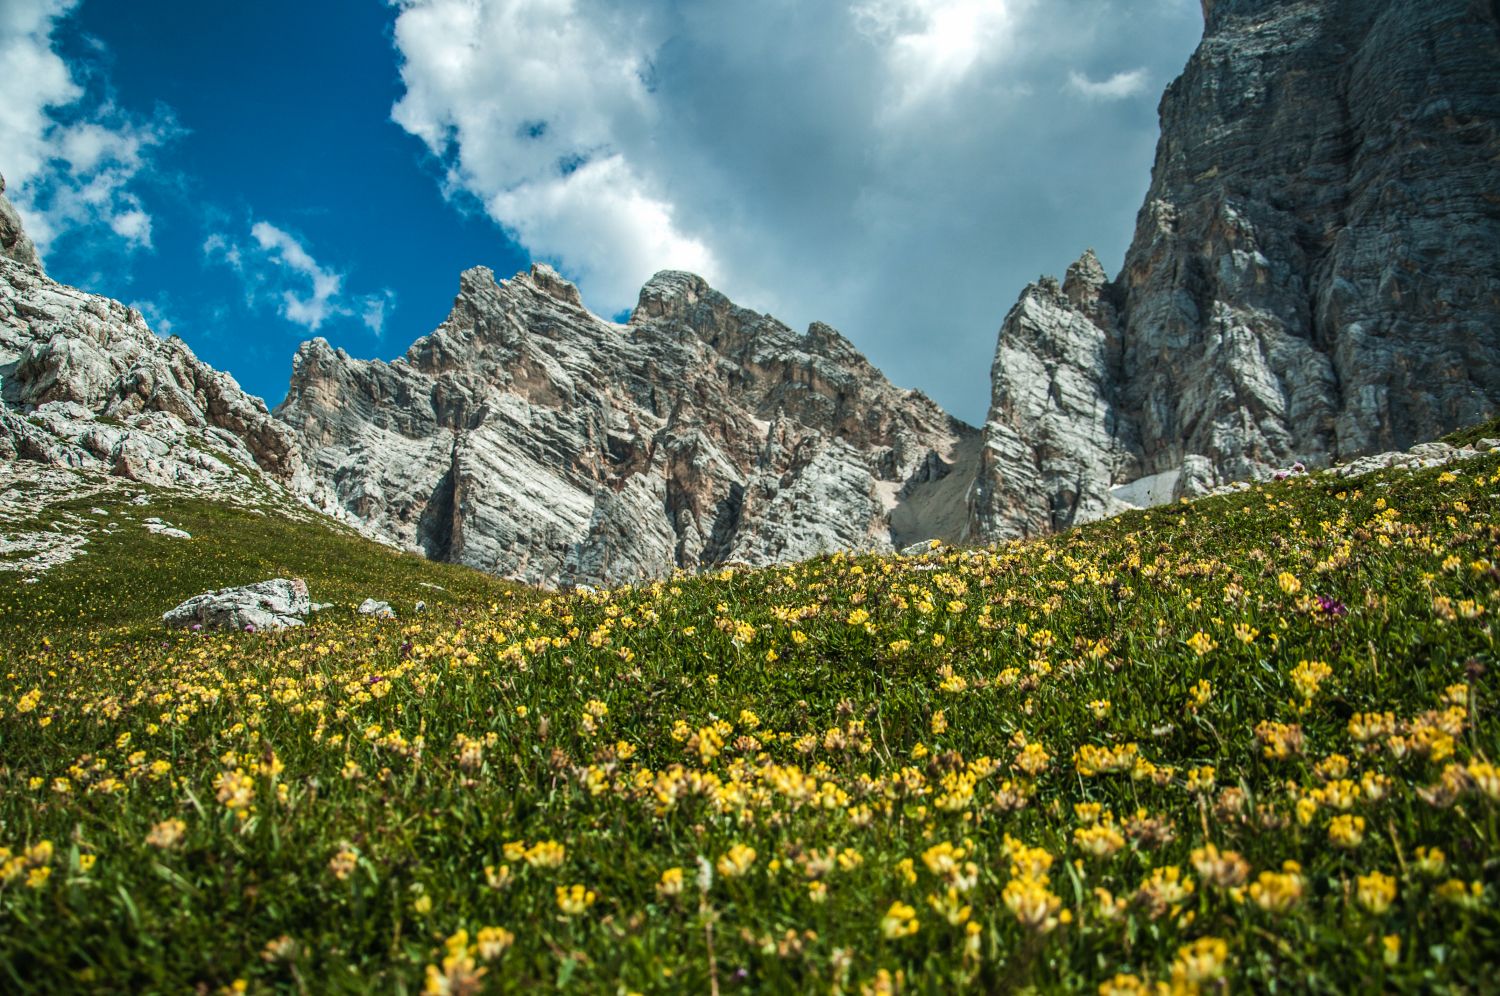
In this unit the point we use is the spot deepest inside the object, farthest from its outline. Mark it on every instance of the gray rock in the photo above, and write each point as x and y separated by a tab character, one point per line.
14	243
274	604
1052	441
380	610
1313	275
534	440
86	384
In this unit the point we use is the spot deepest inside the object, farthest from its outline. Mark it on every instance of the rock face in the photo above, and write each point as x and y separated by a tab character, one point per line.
14	244
1313	275
274	604
530	438
85	383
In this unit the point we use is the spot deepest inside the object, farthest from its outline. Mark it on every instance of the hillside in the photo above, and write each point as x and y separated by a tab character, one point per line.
120	576
1245	742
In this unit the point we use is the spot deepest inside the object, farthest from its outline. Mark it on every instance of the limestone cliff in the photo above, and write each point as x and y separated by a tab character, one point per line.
85	383
531	438
1313	275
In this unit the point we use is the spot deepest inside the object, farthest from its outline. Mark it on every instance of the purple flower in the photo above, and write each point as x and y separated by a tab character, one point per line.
249	627
1281	475
1299	468
1331	607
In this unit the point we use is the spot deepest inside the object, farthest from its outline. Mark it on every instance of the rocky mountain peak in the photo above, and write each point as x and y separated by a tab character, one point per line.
530	438
477	281
1085	278
552	283
670	294
1312	275
86	384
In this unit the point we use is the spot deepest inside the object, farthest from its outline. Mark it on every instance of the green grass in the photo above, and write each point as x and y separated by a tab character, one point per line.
118	589
1474	433
359	801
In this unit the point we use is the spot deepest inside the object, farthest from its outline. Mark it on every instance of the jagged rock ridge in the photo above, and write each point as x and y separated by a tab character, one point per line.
531	438
1313	275
85	383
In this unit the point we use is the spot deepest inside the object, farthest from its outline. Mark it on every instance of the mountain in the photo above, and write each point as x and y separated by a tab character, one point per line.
1313	274
86	384
1313	277
532	439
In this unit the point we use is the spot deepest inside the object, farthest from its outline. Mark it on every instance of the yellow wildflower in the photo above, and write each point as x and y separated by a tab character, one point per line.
574	899
1376	891
670	883
1346	831
1199	962
1201	643
899	921
736	861
1278	892
166	834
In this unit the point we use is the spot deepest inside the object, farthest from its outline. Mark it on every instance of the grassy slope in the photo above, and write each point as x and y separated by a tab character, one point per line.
354	794
119	588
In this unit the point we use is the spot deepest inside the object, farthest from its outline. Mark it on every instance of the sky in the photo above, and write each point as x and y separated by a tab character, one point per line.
252	175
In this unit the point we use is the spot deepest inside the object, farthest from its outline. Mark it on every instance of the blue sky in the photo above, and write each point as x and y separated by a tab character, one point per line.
251	175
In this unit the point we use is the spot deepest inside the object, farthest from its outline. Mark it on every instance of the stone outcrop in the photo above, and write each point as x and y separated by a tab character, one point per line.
14	243
378	609
530	438
1313	275
275	604
85	383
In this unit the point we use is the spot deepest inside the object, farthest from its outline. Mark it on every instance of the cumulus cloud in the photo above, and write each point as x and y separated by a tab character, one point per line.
1121	85
70	156
526	100
155	315
897	168
279	272
931	46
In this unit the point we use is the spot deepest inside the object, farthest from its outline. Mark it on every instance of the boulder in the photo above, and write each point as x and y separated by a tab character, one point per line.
274	604
380	610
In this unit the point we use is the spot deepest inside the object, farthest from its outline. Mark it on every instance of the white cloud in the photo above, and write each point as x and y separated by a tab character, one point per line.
279	272
526	100
372	311
1121	85
69	158
155	316
931	46
898	168
315	303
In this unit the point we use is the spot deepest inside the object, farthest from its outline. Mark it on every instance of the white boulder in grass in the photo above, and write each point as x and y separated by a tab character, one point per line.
380	610
274	604
160	528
